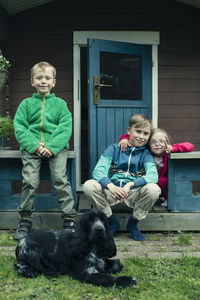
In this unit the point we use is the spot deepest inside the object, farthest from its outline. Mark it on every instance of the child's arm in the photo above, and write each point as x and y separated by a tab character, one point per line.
21	125
100	174
182	147
61	136
123	142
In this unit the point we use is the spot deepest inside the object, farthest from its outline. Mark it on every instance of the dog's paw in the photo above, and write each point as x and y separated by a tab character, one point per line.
125	281
116	266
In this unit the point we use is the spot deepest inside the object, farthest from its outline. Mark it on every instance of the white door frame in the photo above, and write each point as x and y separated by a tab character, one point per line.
80	40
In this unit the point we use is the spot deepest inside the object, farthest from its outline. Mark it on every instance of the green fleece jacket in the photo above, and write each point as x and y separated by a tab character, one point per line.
43	119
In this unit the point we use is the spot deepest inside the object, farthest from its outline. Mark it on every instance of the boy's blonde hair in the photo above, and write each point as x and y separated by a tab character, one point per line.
42	65
140	120
167	136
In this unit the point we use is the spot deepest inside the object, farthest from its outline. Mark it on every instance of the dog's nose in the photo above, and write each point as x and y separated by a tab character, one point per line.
99	228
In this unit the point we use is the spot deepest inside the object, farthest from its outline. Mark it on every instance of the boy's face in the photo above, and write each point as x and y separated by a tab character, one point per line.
139	136
43	81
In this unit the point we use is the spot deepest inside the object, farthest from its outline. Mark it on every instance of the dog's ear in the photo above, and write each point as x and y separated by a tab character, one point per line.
82	235
109	246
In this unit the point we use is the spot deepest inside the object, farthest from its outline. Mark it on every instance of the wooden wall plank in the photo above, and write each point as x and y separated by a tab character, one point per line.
187	111
179	85
20	86
23	72
179	98
180	123
179	59
186	72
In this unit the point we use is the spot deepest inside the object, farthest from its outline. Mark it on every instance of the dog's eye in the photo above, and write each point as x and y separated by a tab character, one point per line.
91	219
103	219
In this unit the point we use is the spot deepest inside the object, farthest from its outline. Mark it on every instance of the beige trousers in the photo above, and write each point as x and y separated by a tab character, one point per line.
31	179
140	199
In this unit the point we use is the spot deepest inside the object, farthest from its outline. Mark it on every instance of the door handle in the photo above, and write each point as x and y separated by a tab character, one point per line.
103	85
98	85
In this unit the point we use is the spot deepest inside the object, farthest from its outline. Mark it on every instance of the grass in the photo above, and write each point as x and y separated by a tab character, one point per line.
7	240
184	239
162	279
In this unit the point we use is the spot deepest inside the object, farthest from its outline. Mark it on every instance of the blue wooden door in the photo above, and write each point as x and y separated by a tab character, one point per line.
120	85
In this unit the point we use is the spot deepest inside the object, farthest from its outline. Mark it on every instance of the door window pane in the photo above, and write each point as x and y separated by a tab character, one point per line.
124	73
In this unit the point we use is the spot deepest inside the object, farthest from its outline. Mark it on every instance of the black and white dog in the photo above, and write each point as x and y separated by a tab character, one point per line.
84	254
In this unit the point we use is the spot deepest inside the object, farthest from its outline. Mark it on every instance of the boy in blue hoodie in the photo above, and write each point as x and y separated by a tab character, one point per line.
43	127
128	177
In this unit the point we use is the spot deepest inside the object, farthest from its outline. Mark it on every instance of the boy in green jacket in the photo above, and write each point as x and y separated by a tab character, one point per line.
43	127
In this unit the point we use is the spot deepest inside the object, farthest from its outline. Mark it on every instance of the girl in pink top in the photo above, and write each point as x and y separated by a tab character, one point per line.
160	146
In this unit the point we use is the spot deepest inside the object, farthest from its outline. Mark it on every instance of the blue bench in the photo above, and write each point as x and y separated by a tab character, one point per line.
10	170
183	172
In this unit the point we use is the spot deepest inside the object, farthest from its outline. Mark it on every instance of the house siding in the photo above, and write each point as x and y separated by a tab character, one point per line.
46	33
4	41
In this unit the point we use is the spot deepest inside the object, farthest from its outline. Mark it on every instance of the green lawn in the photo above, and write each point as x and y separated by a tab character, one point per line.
164	279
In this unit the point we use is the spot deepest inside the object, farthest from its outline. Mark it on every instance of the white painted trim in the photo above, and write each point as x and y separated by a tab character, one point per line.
155	85
77	113
80	39
137	37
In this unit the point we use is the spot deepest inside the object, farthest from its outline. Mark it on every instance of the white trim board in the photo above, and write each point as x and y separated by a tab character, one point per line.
80	40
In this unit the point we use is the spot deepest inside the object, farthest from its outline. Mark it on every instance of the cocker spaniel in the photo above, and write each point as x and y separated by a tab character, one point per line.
85	254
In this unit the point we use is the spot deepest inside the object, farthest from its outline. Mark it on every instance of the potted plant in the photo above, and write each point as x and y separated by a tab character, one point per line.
4	66
6	129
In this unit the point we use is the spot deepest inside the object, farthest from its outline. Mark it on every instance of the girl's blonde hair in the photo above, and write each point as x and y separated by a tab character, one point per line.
140	120
42	65
167	136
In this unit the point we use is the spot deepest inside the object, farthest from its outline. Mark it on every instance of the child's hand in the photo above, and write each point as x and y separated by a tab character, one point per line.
43	152
39	151
128	186
117	191
168	148
123	144
46	153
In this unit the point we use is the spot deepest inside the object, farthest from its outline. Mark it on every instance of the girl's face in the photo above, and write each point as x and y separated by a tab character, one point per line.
158	143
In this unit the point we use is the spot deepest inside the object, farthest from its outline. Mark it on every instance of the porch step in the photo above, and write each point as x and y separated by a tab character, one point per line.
155	221
158	219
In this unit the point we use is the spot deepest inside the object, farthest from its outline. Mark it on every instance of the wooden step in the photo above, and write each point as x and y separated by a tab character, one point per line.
155	221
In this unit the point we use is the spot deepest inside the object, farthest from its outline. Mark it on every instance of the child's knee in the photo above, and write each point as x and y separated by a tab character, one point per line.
31	183
153	190
90	186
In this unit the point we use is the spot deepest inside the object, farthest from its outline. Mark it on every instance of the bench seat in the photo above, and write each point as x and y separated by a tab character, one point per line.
10	170
183	173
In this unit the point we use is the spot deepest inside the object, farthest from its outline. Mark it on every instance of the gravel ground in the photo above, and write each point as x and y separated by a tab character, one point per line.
156	245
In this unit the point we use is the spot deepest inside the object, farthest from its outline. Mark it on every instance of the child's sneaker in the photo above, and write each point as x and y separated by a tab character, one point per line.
69	224
164	204
23	229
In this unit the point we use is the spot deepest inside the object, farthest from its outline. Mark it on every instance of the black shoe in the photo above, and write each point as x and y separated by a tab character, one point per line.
69	224
23	229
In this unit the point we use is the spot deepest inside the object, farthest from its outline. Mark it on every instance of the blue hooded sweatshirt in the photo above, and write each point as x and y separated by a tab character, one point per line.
118	167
